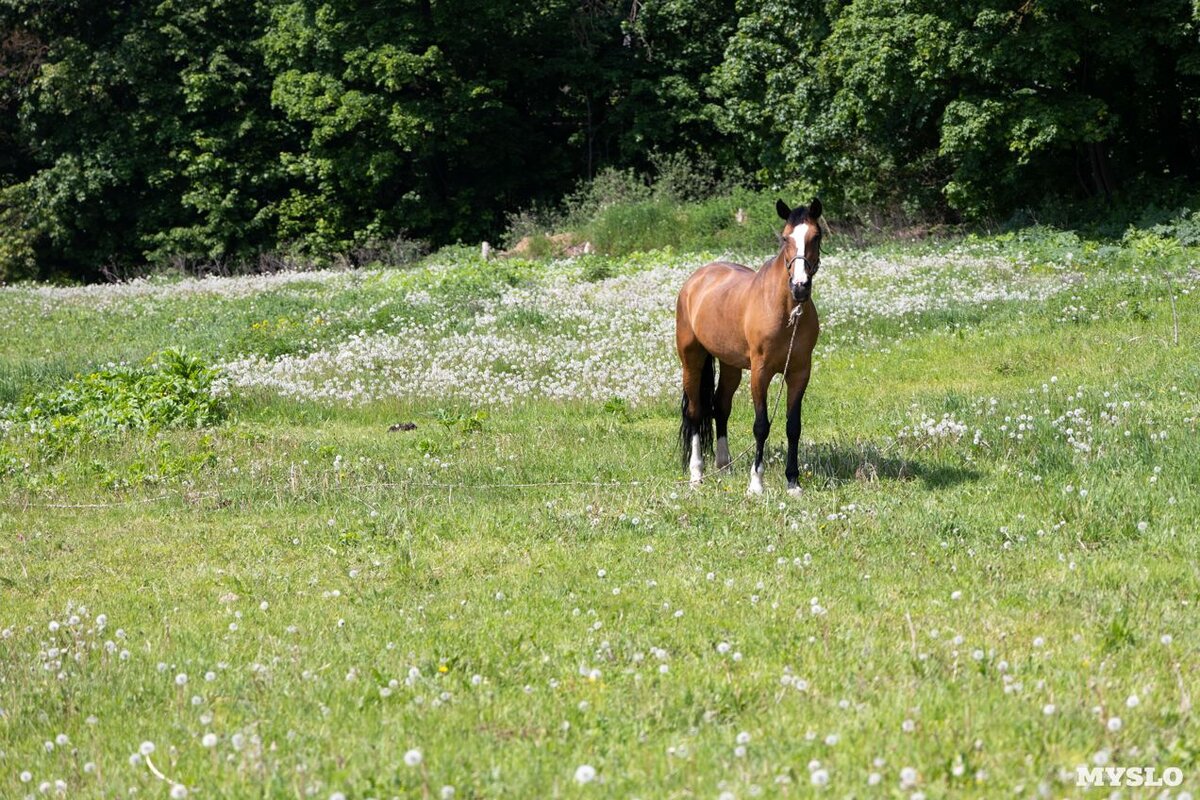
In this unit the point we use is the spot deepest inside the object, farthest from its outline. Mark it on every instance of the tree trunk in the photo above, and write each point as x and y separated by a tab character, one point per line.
1101	176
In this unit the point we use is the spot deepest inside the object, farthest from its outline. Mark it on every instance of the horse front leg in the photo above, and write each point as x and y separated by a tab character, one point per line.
797	382
760	381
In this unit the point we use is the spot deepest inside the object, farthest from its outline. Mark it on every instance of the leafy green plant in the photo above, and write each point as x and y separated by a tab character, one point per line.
173	390
596	268
1151	244
464	421
1185	228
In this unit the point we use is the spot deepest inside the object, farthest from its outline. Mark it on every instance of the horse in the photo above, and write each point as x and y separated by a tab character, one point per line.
729	313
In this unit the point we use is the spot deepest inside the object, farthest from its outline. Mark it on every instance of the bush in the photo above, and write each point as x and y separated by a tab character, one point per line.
690	205
680	177
18	257
1184	228
630	227
175	390
532	223
610	187
736	222
398	251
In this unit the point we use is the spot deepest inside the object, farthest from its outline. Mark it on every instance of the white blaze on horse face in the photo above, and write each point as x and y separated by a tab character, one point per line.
697	461
756	474
799	234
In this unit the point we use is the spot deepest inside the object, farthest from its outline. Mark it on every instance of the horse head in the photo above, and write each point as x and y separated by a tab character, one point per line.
801	245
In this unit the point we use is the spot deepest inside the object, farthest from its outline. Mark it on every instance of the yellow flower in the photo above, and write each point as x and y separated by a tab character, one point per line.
443	668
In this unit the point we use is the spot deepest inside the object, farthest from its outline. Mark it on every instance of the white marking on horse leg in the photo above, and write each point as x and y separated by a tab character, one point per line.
723	458
794	489
697	461
756	486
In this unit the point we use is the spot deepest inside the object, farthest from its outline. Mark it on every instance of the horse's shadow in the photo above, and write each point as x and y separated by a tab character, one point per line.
838	462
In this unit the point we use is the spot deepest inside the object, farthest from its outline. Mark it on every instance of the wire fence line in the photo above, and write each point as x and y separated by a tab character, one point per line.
654	480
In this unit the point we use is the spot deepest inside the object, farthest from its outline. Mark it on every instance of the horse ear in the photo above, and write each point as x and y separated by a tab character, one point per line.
782	209
814	208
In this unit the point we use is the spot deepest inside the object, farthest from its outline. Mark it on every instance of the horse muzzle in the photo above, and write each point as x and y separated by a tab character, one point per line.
801	293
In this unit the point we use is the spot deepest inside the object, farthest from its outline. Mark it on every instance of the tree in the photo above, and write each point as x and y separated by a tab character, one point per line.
154	130
134	108
971	107
767	94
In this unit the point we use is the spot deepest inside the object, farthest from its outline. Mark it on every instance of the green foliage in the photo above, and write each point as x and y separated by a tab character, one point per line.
1184	228
1151	244
174	391
679	177
685	203
464	421
148	135
18	256
972	107
738	221
610	187
156	132
770	99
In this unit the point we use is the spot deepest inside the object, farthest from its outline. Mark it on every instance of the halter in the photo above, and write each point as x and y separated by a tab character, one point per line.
791	262
798	309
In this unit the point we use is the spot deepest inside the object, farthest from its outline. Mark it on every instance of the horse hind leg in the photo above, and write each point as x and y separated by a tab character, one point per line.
727	385
696	415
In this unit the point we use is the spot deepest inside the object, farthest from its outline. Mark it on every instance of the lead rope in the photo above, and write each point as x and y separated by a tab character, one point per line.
793	318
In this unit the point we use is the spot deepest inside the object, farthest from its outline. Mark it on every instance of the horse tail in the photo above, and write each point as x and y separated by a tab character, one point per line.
704	425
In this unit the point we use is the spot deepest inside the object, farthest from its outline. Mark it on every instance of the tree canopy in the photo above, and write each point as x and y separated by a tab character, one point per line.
139	132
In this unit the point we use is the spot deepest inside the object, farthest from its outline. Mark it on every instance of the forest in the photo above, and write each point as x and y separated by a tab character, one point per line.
155	132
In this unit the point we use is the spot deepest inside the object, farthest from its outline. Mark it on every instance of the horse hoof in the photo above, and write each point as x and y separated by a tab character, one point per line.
754	489
794	490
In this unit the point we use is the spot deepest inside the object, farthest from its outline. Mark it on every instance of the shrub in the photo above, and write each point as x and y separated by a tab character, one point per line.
610	187
678	176
397	251
18	258
1184	228
175	390
629	227
533	222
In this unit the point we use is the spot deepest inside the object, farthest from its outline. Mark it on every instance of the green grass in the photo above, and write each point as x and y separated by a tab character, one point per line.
923	603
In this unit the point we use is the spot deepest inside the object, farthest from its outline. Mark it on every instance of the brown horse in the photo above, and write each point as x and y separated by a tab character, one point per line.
743	319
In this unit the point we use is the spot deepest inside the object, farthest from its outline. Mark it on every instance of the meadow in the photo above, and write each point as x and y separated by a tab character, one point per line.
423	533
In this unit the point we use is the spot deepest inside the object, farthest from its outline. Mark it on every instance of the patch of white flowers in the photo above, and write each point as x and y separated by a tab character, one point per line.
928	429
601	340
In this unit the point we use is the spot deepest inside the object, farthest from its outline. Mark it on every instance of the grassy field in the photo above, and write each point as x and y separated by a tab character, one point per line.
990	579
